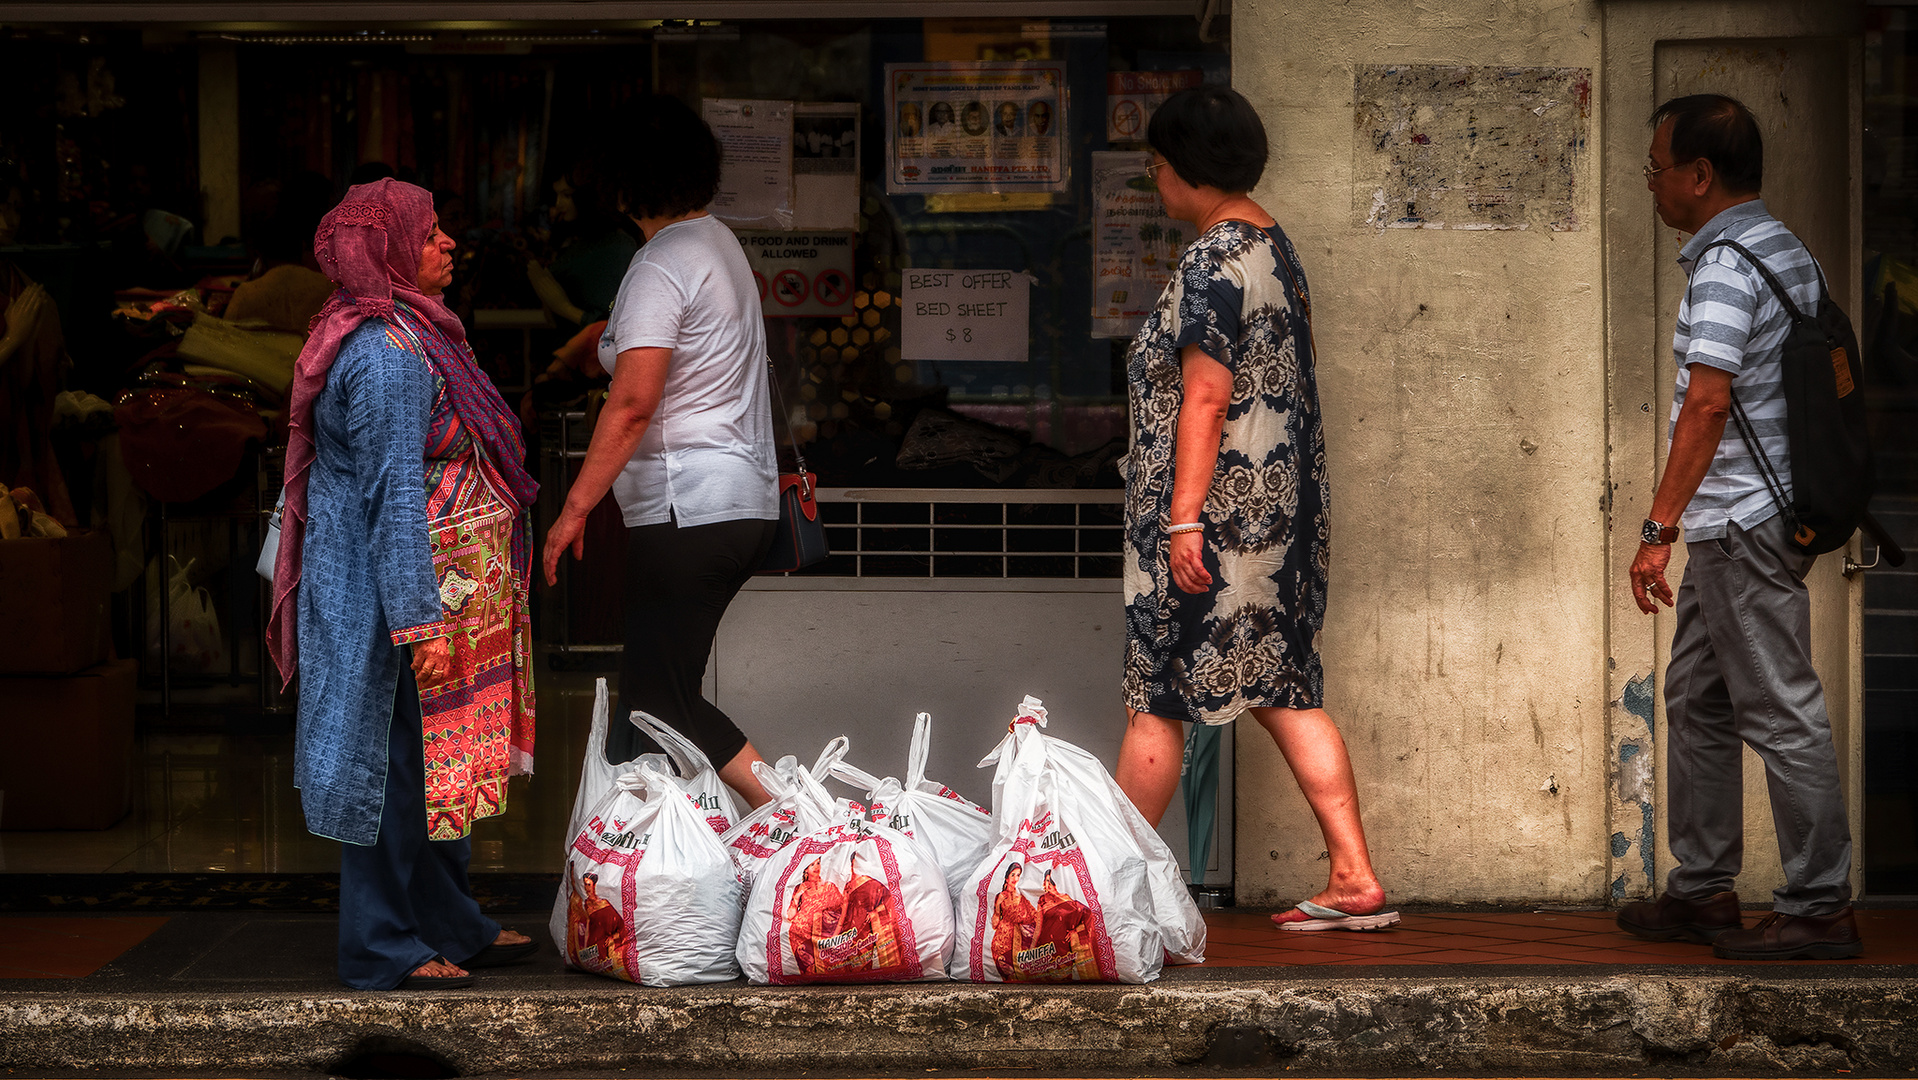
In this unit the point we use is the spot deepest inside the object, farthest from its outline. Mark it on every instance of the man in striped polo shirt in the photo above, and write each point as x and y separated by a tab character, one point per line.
1741	671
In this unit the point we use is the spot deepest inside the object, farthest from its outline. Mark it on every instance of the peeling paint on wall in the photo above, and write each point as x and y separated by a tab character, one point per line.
1637	699
1633	803
1441	147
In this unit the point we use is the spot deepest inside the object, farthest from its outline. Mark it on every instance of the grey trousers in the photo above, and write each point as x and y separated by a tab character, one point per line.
1741	674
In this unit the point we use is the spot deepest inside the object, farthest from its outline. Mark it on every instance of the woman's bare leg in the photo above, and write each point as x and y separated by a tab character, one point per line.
1316	752
1149	762
738	774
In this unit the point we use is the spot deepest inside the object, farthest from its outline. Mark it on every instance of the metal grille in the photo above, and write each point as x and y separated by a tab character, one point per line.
947	533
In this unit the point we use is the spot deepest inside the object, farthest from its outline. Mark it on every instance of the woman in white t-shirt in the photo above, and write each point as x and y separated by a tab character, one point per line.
685	440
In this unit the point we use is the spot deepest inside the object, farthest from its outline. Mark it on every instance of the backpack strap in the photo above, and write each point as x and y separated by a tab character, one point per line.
1766	470
1777	288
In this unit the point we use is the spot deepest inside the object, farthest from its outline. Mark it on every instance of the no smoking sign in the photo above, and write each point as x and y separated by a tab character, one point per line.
802	274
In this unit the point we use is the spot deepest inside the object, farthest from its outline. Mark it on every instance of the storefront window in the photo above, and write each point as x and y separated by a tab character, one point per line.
1889	336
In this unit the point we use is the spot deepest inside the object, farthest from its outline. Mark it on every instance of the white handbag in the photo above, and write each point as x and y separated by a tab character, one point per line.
270	551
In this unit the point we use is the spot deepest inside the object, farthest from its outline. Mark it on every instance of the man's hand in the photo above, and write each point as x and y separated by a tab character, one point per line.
1648	577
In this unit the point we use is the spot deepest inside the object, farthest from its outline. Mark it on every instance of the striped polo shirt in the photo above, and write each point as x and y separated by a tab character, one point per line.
1731	319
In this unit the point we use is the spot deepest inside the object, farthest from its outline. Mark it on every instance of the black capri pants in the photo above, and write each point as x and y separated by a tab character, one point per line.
679	582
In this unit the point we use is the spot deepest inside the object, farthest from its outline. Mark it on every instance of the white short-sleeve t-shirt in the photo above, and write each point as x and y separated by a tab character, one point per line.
708	455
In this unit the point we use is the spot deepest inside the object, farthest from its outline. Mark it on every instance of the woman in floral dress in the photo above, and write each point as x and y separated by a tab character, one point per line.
1226	500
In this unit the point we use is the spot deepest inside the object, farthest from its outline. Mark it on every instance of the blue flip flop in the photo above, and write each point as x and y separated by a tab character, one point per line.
1325	918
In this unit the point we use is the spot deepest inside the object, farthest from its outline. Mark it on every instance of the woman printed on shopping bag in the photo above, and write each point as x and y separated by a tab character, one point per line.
399	593
1226	500
684	442
812	915
1014	922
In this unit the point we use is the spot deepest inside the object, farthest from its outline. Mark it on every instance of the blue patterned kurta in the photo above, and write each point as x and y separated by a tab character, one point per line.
1251	640
366	572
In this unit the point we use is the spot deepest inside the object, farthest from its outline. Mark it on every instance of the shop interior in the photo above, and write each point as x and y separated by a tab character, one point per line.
1889	337
158	277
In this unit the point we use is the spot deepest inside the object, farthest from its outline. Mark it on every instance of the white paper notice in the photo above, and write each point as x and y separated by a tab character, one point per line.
756	162
1134	244
826	165
966	315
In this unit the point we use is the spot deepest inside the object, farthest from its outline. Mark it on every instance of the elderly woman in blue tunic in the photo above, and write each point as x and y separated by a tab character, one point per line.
1226	497
400	596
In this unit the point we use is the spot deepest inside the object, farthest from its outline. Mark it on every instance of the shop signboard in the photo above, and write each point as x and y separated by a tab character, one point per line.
1133	96
801	274
966	315
1135	245
976	126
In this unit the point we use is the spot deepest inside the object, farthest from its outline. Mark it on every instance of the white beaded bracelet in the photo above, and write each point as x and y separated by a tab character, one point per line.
1190	526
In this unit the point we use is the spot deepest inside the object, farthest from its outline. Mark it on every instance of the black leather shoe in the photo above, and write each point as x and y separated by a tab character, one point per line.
1794	937
1669	918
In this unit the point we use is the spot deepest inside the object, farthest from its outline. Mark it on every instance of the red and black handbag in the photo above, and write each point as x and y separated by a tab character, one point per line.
801	539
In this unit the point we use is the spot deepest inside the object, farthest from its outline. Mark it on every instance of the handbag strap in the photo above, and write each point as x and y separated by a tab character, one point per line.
799	456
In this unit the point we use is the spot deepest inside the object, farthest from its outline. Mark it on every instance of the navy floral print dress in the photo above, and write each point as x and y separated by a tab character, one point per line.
1251	640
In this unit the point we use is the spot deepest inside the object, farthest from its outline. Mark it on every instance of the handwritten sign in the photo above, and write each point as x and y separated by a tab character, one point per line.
966	315
801	274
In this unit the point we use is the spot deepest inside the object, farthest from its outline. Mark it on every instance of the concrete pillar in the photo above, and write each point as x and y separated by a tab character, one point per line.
219	141
1457	302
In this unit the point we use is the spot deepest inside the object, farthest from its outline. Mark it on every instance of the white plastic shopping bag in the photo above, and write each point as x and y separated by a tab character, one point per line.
848	903
596	778
956	829
792	812
709	794
652	897
1063	894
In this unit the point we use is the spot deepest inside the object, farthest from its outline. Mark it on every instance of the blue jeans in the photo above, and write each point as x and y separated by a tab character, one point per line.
406	899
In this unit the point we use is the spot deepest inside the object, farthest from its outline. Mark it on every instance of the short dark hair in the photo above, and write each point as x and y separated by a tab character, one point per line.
668	162
1720	130
1211	136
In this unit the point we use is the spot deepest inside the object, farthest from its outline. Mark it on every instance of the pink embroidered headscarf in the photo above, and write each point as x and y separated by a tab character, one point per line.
370	246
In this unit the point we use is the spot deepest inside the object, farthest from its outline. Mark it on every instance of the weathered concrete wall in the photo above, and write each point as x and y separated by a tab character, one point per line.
1462	372
1496	398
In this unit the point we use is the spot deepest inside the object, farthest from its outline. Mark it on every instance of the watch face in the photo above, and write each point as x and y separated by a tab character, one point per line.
1649	532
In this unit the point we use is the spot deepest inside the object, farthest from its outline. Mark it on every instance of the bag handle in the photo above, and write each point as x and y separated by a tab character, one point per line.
685	756
1305	302
1777	288
1774	486
799	456
921	745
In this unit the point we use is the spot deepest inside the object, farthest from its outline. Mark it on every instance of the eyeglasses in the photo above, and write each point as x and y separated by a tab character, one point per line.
1651	172
1155	165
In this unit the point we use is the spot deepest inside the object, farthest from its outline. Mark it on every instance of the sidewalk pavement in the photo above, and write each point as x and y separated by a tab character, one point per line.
1539	992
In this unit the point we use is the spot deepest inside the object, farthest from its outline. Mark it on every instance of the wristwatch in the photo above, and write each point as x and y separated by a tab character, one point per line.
1655	533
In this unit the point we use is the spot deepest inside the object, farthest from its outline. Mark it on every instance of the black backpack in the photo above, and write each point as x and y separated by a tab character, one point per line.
1832	474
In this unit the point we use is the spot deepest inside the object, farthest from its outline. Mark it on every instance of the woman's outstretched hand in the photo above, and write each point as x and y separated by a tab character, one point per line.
568	531
1188	562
